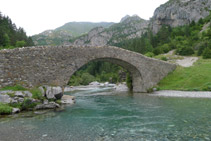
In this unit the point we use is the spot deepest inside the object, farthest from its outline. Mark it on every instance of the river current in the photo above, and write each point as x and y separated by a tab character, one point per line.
101	114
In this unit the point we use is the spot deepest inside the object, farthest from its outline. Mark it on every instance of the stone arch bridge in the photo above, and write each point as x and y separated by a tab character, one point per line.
34	66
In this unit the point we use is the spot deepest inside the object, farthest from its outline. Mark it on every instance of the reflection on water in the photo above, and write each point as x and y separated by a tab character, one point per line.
102	115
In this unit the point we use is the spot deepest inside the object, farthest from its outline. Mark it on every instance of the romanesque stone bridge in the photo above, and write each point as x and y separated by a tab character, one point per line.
34	66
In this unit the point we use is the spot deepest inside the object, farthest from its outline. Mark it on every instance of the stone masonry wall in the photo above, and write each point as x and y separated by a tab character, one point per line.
35	66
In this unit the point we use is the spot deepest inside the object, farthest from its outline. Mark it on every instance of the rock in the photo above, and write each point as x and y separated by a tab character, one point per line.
20	100
5	98
131	27
154	89
53	92
14	101
19	94
42	90
50	105
67	99
58	96
68	89
5	92
45	102
179	12
27	94
15	110
95	83
121	87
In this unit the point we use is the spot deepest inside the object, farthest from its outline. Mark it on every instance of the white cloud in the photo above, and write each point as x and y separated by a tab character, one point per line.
36	16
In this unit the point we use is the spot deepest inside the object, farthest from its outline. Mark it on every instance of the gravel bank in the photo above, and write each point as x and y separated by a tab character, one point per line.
193	94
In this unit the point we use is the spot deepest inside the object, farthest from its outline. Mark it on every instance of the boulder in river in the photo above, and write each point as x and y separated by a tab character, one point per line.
54	92
67	99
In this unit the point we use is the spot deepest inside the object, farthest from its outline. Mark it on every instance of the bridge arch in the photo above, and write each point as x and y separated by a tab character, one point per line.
54	65
137	82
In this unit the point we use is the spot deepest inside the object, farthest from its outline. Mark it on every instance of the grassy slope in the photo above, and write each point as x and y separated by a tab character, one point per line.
197	77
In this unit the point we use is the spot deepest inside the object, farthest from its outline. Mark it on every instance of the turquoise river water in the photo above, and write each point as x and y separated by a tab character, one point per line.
103	115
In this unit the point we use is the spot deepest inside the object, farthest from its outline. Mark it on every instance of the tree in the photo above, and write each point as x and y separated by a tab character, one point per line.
20	43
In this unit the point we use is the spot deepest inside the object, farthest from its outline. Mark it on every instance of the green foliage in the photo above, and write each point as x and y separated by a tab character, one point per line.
10	34
20	43
5	109
149	54
196	77
36	93
14	88
207	53
164	58
184	50
27	104
129	81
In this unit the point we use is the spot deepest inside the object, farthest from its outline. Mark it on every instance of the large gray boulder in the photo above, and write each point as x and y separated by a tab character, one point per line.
49	105
67	99
54	92
5	98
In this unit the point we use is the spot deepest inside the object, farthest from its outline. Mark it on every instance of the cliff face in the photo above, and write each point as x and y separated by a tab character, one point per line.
129	27
179	12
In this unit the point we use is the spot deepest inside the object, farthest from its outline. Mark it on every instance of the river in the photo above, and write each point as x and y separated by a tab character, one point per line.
101	114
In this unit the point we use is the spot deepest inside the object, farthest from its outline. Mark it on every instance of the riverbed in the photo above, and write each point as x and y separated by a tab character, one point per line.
101	114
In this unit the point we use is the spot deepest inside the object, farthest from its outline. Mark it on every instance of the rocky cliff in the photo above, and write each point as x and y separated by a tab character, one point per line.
62	35
179	12
129	27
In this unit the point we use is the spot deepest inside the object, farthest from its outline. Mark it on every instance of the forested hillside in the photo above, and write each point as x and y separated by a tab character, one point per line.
11	36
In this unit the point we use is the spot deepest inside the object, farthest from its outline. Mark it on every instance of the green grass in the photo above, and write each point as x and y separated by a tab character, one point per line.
197	77
14	88
36	94
5	109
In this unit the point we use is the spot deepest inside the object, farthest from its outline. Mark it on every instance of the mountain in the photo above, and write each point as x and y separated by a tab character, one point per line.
63	34
129	27
179	12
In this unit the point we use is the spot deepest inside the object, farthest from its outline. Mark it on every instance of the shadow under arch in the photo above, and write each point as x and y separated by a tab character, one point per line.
137	82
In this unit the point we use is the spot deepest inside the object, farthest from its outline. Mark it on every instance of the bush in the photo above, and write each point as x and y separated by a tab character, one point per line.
185	51
36	94
129	81
27	104
87	78
206	53
164	58
150	54
5	109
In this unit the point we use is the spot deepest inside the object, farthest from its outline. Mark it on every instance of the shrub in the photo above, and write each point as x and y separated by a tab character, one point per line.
5	109
87	78
129	81
149	54
185	50
27	104
206	53
164	58
36	94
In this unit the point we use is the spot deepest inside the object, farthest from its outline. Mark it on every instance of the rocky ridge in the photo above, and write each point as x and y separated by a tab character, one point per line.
179	12
129	27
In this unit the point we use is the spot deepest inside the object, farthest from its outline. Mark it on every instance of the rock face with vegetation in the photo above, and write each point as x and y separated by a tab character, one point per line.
128	28
180	12
21	99
62	35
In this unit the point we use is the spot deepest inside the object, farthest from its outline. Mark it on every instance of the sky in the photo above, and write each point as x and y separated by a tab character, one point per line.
36	16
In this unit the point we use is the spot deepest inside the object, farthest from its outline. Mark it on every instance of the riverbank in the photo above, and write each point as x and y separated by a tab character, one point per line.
194	78
188	94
